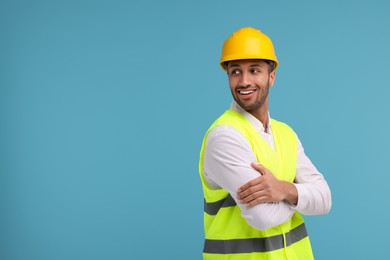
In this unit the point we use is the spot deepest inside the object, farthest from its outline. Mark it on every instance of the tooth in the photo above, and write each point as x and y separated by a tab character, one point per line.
246	92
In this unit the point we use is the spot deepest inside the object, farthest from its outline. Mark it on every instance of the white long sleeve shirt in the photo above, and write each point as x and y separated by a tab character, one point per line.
227	159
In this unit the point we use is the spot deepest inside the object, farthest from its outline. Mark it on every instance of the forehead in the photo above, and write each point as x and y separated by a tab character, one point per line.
247	63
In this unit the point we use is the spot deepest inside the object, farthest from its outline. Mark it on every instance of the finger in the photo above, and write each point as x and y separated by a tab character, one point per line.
251	190
260	168
257	167
257	201
249	184
256	196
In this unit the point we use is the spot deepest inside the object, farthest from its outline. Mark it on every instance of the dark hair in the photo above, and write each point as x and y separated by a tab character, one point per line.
271	65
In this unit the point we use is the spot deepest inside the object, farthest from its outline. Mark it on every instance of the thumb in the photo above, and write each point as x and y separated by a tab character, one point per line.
258	167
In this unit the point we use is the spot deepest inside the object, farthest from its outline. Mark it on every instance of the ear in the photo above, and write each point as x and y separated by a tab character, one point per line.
272	77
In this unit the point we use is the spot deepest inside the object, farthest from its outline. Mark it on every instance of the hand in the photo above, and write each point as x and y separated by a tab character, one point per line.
266	188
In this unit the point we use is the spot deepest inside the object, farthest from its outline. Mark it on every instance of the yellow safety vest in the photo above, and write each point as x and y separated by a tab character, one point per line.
228	235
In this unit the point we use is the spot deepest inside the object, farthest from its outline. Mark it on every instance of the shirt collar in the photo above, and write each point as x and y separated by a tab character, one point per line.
253	120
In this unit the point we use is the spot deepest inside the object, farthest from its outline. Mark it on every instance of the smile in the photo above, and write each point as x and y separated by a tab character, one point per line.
246	92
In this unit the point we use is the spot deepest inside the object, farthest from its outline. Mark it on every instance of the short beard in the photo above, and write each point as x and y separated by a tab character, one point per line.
258	103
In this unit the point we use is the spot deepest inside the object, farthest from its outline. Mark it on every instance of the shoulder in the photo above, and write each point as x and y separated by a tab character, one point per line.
226	124
223	131
225	139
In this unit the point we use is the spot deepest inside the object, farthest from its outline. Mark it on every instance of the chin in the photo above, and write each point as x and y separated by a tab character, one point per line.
247	105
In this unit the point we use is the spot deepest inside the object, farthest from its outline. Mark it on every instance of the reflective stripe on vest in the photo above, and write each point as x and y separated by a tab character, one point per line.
249	245
212	208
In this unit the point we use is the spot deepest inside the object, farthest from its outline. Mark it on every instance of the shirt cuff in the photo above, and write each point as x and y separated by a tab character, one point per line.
302	198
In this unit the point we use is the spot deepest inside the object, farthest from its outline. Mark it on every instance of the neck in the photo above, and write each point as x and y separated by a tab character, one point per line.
261	113
262	117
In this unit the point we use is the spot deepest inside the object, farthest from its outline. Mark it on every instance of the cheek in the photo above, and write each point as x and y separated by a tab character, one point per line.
233	81
262	81
232	89
231	84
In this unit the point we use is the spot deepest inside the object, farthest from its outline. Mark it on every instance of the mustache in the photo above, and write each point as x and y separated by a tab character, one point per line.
246	87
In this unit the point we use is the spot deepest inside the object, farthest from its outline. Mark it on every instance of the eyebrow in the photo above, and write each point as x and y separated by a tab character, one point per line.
251	66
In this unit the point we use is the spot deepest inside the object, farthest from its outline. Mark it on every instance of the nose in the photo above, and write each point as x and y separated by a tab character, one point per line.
245	80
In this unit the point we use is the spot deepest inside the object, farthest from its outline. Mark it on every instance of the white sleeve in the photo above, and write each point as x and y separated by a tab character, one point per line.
314	196
227	160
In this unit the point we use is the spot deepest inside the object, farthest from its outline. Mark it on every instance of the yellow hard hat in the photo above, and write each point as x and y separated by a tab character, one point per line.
248	43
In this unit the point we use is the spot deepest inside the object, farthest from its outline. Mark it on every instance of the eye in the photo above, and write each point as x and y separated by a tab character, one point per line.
234	72
256	71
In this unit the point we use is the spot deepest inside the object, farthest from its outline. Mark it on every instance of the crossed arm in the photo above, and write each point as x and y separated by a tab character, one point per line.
264	201
266	188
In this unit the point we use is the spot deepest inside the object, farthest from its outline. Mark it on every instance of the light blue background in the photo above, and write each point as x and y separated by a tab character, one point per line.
103	106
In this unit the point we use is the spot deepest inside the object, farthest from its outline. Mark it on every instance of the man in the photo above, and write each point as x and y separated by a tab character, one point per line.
256	178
